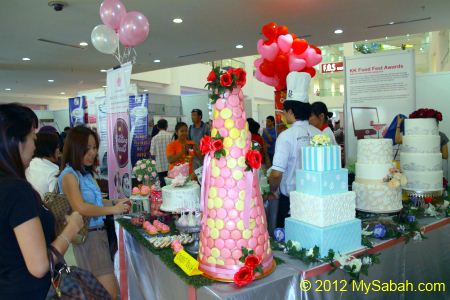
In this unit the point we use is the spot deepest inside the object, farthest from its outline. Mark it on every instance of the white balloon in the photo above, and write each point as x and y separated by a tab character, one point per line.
104	39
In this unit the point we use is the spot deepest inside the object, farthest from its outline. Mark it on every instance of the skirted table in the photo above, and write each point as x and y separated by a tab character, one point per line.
144	276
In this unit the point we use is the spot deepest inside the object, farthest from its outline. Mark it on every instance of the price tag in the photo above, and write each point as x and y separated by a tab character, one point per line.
187	263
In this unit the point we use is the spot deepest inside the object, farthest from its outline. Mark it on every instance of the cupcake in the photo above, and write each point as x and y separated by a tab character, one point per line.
145	190
164	228
135	191
151	230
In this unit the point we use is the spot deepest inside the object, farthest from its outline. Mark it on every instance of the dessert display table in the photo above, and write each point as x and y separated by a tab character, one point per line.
144	276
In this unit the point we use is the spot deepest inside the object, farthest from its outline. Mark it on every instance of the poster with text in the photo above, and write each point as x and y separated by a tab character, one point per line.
139	128
119	163
378	87
77	107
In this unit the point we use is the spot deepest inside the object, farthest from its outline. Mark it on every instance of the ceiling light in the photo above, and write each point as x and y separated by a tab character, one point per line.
51	80
7	89
421	49
103	70
26	58
391	23
62	93
338	31
157	61
365	40
177	20
239	46
104	86
145	90
83	44
407	35
386	38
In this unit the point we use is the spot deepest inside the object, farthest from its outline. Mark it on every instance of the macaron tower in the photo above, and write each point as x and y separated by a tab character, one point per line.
233	212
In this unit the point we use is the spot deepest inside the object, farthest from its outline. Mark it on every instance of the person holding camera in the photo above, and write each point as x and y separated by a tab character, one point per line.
182	150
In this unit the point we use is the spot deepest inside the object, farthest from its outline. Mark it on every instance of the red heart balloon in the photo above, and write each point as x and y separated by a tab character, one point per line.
299	46
282	30
294	36
270	30
317	49
282	63
310	70
267	68
269	41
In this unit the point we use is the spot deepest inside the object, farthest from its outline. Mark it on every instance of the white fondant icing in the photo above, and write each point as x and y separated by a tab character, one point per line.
424	181
377	198
421	161
421	144
421	127
372	171
323	210
374	151
179	198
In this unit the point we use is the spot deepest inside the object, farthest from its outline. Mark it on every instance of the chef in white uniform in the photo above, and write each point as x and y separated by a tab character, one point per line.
288	157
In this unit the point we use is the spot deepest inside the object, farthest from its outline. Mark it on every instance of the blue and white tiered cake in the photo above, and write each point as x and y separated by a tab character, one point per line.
322	208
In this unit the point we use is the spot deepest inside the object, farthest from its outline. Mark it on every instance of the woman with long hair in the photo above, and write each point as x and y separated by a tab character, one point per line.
182	150
76	181
27	228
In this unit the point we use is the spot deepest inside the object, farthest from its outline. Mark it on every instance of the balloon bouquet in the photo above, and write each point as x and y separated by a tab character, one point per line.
283	52
130	28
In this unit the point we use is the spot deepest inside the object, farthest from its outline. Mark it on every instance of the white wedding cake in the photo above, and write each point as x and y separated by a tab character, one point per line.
177	199
374	162
420	157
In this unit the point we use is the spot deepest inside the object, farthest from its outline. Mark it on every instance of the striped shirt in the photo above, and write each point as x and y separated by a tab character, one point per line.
158	149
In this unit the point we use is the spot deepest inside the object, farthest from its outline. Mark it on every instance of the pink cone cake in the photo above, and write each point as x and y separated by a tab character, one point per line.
233	212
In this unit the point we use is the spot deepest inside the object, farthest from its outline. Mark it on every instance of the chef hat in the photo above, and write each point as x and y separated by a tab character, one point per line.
298	86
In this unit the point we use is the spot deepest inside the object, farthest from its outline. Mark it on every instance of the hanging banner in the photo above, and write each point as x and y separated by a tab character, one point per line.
77	109
139	129
102	130
119	163
377	88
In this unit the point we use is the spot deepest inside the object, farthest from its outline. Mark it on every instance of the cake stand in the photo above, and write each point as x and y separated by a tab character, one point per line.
418	197
195	232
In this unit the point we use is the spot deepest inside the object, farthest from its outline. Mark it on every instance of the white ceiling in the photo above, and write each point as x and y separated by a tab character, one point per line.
208	25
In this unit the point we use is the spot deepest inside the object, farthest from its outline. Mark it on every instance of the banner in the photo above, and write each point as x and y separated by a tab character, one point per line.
119	163
77	107
377	88
102	130
139	128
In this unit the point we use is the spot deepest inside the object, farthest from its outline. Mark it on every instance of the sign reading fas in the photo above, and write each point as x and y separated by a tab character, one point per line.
333	67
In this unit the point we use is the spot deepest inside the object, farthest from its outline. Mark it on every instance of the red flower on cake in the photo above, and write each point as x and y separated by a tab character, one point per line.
244	276
428	200
217	145
212	76
252	261
206	144
240	76
426	113
226	79
254	159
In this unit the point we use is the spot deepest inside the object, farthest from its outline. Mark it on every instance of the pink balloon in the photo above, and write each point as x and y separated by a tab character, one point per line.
312	58
258	62
134	29
268	52
285	42
111	13
271	81
296	63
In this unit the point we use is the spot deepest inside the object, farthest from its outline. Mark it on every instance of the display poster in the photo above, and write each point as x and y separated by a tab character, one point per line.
280	123
102	131
118	132
77	110
378	87
139	129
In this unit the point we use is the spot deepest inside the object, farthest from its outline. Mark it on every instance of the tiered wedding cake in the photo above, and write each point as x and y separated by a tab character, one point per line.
373	167
322	208
421	158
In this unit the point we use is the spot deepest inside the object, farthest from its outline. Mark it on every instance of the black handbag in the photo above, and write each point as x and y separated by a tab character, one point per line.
72	282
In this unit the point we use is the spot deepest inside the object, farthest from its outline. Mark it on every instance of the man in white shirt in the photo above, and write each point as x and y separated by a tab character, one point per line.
43	169
158	150
287	158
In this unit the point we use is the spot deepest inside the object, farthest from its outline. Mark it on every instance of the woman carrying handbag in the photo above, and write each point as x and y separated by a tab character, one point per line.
76	181
26	226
